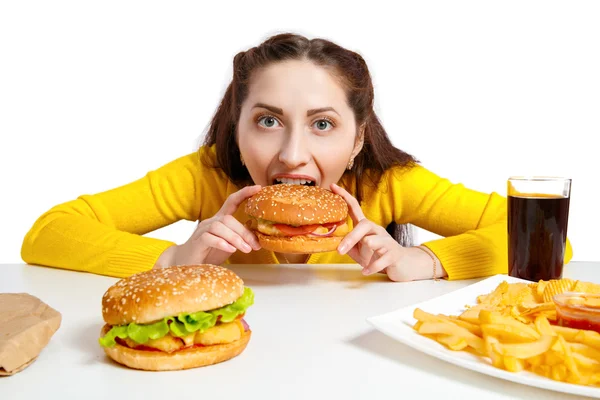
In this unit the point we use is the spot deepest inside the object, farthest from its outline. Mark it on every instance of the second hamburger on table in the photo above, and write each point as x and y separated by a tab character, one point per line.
299	219
176	318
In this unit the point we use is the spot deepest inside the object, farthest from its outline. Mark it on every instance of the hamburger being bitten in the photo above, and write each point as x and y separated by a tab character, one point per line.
176	318
291	218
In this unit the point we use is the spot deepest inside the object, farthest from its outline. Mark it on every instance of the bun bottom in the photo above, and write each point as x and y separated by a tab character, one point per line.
298	244
183	359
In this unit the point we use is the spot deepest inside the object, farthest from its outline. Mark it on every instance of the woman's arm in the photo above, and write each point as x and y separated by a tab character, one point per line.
102	233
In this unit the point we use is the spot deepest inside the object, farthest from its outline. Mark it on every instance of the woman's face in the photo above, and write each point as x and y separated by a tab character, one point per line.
296	126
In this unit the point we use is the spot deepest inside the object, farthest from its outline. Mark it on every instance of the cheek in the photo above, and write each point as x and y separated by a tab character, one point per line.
335	148
332	157
258	153
258	144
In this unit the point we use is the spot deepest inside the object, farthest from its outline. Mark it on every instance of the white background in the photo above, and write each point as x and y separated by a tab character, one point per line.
95	94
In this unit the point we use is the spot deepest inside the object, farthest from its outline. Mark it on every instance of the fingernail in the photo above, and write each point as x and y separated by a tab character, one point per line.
247	248
366	271
342	248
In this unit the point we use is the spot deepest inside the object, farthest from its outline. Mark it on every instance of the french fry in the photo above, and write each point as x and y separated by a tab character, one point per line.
559	372
552	358
543	326
487	317
569	361
453	342
525	350
514	364
471	327
590	338
422	316
585	350
515	327
544	370
509	333
448	328
585	362
536	360
567	333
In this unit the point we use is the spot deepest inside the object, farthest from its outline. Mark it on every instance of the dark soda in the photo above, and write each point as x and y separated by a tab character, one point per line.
537	234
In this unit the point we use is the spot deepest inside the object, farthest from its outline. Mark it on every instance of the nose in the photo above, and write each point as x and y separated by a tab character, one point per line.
294	151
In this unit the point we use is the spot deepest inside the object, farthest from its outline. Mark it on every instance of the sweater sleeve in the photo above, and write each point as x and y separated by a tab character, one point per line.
103	233
473	224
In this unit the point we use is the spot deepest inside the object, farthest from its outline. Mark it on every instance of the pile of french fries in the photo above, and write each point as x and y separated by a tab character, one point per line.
517	339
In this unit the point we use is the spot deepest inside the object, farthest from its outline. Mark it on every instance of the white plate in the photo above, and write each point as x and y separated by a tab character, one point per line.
398	325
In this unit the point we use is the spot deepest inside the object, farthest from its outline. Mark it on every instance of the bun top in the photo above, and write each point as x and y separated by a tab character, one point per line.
158	293
297	205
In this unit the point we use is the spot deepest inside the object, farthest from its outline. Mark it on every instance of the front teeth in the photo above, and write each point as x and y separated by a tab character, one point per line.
293	181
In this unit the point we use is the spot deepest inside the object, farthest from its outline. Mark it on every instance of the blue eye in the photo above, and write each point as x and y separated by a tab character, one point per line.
268	121
323	125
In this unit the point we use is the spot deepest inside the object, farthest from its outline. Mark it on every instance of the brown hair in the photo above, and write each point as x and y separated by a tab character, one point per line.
377	155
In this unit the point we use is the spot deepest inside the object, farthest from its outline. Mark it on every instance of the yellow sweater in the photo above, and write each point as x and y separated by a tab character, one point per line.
103	233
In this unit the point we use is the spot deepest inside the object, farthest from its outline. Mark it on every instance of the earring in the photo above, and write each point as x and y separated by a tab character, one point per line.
242	160
350	164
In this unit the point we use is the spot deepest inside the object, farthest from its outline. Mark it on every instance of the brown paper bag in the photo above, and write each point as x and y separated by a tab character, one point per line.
26	326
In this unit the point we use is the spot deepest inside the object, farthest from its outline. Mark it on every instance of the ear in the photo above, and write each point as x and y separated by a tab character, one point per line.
358	142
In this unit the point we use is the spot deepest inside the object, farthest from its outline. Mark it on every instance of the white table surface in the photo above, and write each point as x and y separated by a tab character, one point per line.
310	341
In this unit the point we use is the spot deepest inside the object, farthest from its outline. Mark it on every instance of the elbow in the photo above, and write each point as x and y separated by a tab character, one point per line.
28	249
33	248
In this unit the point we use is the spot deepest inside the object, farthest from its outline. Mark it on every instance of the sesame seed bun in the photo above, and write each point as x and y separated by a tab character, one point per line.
159	293
301	244
183	359
297	205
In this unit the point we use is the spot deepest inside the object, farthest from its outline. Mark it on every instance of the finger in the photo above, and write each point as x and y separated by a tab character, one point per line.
354	253
378	243
379	264
246	234
220	230
234	200
362	229
200	228
365	252
355	211
216	242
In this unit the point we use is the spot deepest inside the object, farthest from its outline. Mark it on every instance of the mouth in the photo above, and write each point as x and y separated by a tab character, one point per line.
294	181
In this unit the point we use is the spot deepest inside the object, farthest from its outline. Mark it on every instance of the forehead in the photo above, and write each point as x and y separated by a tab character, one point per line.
296	84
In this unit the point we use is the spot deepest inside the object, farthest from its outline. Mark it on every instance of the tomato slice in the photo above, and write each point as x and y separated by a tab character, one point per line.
302	230
296	230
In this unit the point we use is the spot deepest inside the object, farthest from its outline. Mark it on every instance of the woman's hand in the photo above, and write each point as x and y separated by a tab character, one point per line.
216	238
371	246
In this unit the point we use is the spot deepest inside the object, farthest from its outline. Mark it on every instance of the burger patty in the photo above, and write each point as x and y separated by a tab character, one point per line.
282	230
218	334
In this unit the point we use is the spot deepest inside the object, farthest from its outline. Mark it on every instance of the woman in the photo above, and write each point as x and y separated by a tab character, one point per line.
296	110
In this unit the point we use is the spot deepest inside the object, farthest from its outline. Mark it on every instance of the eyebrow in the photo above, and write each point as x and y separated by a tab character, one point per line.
279	111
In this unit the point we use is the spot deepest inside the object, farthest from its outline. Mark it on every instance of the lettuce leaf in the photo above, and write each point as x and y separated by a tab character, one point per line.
182	325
